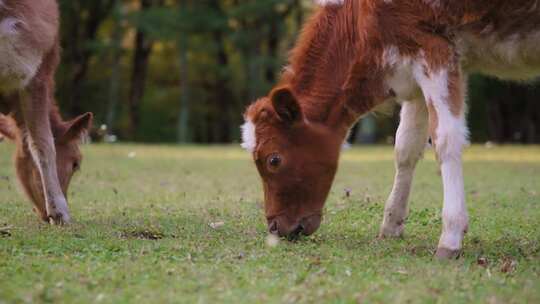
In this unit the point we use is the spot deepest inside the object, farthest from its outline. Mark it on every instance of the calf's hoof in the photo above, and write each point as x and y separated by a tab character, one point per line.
447	254
59	219
58	212
391	231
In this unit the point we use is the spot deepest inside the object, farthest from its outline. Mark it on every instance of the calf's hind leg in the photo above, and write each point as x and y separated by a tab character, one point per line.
411	139
443	87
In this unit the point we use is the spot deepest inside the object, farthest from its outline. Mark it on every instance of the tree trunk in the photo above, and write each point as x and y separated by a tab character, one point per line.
273	48
143	50
82	33
223	94
183	117
116	41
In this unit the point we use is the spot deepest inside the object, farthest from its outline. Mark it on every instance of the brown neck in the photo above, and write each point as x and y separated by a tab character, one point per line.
322	62
56	122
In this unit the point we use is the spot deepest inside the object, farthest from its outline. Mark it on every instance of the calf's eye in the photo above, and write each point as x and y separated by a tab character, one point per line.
274	161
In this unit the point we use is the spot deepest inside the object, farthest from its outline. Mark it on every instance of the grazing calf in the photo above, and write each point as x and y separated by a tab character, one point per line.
47	147
356	54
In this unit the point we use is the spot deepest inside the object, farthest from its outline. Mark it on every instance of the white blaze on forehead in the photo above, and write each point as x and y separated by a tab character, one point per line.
249	139
330	2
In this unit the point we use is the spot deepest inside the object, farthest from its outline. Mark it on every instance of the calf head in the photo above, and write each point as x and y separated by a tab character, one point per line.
67	137
296	159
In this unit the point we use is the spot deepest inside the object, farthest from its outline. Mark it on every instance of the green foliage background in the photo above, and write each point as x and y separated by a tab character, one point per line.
206	60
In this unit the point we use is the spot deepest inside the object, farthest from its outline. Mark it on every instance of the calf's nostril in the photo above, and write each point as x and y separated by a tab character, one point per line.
296	232
273	228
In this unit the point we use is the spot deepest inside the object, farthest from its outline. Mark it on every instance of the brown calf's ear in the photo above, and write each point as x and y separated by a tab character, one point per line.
77	127
286	105
7	128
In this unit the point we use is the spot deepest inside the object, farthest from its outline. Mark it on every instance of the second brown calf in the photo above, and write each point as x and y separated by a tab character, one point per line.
47	151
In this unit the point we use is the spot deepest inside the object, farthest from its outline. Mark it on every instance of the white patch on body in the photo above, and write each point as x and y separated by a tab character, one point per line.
451	138
391	55
249	138
19	62
452	132
330	2
400	77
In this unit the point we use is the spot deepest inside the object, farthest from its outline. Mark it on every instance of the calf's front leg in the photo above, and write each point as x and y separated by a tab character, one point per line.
40	142
411	140
443	88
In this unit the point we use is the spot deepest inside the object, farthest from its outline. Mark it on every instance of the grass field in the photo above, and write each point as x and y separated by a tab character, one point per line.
172	224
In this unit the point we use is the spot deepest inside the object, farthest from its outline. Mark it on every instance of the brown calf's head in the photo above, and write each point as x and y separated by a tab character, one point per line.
296	159
67	137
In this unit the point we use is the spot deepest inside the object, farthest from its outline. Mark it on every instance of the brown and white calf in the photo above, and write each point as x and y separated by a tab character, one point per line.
355	54
47	147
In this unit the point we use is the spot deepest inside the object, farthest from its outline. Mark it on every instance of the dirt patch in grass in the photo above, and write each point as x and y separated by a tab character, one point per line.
142	234
5	231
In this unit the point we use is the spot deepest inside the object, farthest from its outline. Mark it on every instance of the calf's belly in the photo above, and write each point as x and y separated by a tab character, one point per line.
515	57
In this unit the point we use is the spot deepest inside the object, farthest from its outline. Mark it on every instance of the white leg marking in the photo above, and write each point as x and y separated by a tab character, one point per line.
411	139
451	137
52	196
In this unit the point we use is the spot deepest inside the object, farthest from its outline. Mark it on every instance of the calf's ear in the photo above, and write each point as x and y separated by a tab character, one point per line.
7	128
77	127
286	105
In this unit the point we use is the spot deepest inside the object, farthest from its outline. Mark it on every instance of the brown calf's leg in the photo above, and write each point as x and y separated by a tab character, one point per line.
443	87
39	139
411	140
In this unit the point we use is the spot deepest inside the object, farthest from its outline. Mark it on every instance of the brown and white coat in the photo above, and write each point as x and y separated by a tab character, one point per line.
355	54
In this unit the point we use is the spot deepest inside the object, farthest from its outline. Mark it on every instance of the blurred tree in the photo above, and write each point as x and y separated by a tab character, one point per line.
143	49
184	70
81	20
116	52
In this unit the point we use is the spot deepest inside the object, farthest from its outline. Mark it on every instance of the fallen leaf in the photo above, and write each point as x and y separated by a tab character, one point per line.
482	261
508	265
